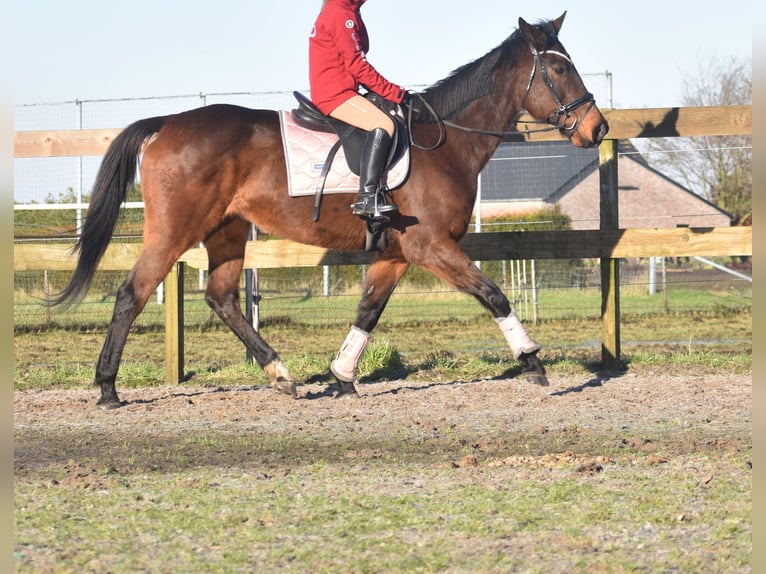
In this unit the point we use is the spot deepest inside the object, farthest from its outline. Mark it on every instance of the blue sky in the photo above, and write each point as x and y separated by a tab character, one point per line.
87	49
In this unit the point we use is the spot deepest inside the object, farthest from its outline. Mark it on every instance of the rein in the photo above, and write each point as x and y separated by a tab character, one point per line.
554	120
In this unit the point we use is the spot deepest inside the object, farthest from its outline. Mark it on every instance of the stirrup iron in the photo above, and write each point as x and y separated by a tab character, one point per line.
376	210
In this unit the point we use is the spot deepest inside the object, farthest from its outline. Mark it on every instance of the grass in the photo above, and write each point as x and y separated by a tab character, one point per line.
382	361
443	348
315	516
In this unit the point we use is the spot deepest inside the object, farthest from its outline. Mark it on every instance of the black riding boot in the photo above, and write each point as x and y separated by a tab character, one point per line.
370	200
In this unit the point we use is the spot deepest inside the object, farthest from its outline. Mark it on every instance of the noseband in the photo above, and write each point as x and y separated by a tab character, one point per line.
563	111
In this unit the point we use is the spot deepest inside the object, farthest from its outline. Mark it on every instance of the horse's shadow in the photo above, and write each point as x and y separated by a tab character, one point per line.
333	389
189	394
597	381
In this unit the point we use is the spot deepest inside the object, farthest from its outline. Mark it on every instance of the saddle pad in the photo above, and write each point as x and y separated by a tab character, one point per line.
305	154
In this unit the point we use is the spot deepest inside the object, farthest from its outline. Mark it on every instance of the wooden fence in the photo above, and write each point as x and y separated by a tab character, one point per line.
609	244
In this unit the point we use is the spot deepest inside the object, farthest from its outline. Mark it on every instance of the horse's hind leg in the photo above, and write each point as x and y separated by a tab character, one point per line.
132	295
454	266
226	252
380	282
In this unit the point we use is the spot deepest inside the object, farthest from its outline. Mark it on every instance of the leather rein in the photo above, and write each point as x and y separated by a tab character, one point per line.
556	121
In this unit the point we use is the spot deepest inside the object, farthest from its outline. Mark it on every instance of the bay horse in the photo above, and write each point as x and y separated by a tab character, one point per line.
207	174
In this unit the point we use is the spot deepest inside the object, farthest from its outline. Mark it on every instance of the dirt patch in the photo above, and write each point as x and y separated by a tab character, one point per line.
580	423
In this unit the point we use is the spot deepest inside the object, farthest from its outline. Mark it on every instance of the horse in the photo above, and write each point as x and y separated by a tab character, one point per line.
209	174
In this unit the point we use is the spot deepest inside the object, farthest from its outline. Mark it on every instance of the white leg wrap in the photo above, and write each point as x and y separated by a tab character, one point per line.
347	360
518	339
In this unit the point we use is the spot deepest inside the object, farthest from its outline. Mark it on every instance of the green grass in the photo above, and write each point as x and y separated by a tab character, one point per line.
443	348
195	499
381	361
314	518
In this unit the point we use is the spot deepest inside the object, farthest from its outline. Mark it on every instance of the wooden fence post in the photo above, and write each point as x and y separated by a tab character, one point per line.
174	325
610	267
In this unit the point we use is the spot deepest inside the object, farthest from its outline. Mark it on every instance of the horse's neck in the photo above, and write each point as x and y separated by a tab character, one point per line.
494	88
493	113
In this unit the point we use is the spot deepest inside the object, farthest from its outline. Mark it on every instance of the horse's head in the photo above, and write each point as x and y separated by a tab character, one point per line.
555	92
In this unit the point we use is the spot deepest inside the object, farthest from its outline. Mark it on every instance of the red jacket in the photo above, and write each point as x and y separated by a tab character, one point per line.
338	65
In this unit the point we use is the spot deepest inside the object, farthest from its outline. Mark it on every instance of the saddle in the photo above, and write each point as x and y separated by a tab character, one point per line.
350	138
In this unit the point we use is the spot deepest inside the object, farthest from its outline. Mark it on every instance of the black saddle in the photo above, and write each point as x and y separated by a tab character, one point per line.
308	116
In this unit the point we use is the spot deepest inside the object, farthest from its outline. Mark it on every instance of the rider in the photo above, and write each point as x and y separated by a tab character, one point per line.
338	66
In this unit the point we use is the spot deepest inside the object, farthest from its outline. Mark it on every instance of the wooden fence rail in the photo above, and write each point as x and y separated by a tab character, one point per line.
634	123
609	244
490	246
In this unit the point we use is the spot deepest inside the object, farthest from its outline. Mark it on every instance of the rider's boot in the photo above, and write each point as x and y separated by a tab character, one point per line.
370	201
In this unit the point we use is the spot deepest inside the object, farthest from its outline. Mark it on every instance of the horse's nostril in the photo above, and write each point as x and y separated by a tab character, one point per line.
600	132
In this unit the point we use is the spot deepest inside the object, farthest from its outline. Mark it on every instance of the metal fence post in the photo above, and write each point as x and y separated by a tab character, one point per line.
252	296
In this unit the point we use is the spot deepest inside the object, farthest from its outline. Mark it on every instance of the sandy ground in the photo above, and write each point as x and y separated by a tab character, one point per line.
492	418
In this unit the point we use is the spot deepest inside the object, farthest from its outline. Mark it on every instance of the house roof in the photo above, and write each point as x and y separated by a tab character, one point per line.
535	170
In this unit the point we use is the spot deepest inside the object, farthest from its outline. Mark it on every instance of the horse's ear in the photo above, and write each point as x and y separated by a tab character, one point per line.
559	21
533	35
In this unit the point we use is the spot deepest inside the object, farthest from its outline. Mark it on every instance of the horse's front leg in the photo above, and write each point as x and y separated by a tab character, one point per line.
380	282
451	264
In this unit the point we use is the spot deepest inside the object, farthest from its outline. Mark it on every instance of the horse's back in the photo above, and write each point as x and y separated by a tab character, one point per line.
227	112
218	120
207	135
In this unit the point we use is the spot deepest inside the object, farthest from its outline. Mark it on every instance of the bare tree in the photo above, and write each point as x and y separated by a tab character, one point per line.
719	168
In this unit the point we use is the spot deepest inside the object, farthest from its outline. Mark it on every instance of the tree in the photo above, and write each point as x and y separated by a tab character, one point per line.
719	168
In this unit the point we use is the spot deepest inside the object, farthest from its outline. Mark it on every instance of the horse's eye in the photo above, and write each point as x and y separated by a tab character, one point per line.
561	69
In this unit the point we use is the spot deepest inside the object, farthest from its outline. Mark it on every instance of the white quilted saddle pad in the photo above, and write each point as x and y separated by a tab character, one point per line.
305	155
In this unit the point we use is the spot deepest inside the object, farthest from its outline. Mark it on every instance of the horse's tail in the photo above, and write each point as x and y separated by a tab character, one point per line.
115	177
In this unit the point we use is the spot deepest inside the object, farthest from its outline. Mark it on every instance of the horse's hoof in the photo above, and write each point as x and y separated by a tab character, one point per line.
346	390
532	368
109	405
537	379
280	378
286	387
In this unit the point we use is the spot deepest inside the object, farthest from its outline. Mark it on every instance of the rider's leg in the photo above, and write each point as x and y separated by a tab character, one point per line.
374	158
362	113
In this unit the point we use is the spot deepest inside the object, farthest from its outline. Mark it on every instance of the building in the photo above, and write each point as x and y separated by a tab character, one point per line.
529	176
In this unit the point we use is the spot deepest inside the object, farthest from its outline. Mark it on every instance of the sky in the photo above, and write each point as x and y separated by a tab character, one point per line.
88	49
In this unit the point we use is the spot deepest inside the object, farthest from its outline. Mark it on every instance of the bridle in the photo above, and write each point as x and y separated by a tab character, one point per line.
556	121
563	110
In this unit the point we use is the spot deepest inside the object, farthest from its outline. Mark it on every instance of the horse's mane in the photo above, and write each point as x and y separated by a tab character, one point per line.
474	80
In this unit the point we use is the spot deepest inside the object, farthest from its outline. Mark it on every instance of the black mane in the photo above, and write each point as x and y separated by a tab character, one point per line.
474	80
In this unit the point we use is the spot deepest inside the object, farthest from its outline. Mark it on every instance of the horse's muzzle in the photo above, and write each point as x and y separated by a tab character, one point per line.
590	128
599	132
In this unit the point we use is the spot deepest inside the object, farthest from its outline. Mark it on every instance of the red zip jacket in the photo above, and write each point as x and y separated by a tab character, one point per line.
338	65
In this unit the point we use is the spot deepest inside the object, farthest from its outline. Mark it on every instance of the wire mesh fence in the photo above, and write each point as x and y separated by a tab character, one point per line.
539	291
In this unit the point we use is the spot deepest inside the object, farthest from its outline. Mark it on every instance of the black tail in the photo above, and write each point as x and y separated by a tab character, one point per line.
115	177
